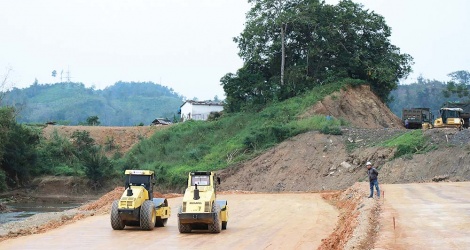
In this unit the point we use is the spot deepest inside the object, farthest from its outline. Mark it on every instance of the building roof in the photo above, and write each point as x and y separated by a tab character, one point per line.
205	103
162	121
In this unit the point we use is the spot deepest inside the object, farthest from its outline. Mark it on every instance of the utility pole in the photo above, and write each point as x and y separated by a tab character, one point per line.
68	74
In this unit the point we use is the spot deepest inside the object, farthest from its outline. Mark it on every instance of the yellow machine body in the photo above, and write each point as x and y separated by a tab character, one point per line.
137	207
200	209
450	118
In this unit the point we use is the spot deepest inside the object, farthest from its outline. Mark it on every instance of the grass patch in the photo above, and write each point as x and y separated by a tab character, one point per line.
413	142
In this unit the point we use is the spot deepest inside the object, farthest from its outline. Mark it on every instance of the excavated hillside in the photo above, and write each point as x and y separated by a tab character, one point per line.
358	105
313	161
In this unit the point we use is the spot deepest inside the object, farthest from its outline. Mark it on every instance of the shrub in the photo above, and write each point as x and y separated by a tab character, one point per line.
64	170
331	130
96	167
413	142
3	181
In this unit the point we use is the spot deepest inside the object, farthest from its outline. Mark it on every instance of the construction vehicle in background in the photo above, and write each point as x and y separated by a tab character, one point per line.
464	114
137	207
416	118
450	118
200	209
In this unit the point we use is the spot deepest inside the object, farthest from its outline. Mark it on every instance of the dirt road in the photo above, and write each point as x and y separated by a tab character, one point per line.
257	221
427	216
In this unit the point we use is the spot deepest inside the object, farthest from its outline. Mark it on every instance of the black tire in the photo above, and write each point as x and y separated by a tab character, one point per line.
216	226
160	222
116	222
224	225
147	215
183	228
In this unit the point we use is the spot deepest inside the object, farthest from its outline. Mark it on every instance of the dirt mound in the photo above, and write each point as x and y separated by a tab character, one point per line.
121	139
310	162
103	204
358	105
57	186
357	214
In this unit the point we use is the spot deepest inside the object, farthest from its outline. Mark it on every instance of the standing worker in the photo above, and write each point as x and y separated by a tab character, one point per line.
373	173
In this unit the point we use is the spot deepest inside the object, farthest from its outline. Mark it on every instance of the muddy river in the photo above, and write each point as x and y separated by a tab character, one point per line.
21	210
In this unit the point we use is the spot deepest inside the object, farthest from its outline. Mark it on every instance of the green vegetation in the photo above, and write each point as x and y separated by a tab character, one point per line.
67	103
93	121
229	139
3	181
289	47
413	142
17	149
79	156
233	138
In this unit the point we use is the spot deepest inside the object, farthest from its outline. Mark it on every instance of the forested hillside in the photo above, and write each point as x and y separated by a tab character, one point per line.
433	94
68	103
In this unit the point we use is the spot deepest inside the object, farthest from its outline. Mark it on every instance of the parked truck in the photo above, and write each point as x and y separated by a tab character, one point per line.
416	118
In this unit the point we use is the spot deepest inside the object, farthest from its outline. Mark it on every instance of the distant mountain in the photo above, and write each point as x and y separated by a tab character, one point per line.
69	103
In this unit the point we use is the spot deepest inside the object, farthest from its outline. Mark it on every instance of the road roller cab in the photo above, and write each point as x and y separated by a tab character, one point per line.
137	207
200	209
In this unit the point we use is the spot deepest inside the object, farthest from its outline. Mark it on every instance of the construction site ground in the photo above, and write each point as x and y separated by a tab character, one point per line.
308	192
409	216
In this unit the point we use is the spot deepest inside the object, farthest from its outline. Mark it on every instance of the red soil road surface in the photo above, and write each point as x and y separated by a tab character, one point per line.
427	216
256	221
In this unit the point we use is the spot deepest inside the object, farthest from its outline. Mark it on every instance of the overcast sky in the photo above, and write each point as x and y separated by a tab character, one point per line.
187	44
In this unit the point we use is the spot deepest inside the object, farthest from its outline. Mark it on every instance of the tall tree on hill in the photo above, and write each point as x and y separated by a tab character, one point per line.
458	86
290	46
273	17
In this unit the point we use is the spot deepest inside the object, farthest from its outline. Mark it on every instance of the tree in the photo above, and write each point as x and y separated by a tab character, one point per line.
276	15
96	167
6	122
82	141
17	149
461	76
93	120
290	46
267	24
458	85
3	84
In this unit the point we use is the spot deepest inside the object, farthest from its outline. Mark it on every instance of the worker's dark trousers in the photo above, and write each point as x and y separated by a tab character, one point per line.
376	184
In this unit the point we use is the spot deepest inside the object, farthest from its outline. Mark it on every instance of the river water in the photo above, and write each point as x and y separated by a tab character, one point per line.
20	211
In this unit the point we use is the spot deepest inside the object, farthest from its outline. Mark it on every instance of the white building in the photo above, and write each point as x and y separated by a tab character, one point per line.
199	110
